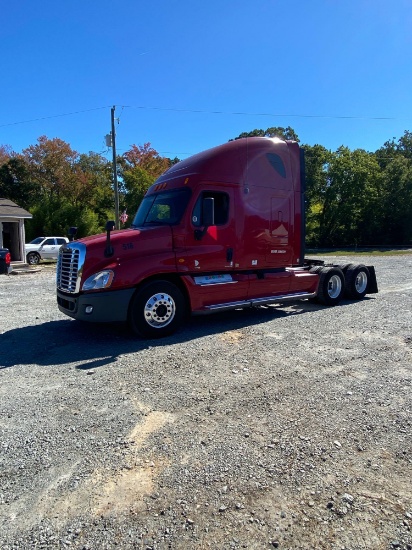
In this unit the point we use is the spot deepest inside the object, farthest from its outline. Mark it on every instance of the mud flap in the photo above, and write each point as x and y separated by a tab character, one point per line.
372	282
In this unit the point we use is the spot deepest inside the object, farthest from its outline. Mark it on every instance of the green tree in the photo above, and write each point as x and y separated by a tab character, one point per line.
16	184
395	198
55	217
287	133
317	160
396	202
350	198
92	181
136	182
342	194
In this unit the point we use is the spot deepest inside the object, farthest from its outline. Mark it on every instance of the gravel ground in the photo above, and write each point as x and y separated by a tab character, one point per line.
286	427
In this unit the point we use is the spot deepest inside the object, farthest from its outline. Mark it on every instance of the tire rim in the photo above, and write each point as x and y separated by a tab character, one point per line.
159	310
334	286
361	282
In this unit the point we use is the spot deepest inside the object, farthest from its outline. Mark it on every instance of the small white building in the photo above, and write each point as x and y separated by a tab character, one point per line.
12	233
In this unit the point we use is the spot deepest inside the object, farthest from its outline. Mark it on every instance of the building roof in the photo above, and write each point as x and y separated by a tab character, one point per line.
9	209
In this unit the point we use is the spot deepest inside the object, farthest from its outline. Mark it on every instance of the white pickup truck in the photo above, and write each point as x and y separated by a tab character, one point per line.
43	248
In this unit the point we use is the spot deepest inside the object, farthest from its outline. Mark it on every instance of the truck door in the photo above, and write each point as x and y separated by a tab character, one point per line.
280	249
209	253
211	248
49	249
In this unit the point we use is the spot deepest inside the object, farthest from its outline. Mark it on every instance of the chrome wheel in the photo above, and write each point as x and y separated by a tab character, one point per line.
335	286
361	282
330	288
159	310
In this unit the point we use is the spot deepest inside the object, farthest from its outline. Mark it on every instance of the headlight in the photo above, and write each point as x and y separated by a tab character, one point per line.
103	279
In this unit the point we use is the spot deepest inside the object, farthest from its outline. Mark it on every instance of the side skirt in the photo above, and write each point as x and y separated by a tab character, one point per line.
256	302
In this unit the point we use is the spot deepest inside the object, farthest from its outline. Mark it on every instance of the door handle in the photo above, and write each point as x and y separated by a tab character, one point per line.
229	254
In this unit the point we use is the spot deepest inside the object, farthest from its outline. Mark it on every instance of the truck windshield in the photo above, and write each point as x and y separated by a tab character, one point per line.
162	208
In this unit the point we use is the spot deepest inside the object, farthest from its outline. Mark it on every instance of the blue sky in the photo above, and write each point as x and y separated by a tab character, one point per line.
189	75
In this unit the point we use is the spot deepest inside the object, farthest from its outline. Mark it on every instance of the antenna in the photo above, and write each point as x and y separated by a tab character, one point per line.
115	183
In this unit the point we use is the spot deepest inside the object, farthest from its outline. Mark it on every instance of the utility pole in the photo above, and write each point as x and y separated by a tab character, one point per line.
115	183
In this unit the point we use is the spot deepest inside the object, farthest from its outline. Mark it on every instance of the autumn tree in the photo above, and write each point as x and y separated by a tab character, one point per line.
50	163
75	190
6	154
139	168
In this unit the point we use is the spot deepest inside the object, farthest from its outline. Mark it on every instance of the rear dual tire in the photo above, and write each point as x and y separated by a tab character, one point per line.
331	285
350	281
356	281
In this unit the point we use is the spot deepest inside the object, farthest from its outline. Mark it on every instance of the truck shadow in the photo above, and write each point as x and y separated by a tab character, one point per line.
94	345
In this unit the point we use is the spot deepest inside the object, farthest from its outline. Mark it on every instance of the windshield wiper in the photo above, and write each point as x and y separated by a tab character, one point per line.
156	222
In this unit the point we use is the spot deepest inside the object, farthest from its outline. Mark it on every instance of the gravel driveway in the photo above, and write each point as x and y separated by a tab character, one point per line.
279	427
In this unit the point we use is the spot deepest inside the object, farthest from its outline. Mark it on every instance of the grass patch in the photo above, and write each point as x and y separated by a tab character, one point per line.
359	252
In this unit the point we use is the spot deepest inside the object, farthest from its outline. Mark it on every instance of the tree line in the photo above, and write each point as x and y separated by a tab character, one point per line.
353	197
62	188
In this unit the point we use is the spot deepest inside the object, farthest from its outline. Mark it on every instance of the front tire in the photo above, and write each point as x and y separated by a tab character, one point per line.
331	286
157	310
356	281
33	258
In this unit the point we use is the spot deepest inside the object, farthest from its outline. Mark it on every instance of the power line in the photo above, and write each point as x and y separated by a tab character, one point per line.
203	111
245	113
53	116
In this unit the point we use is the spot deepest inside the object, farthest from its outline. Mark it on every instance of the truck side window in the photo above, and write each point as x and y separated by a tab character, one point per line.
221	208
162	208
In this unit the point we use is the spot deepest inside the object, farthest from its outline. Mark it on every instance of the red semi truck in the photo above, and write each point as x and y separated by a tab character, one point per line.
223	229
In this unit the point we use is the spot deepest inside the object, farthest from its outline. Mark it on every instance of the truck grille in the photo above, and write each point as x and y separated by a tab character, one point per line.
69	267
